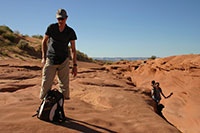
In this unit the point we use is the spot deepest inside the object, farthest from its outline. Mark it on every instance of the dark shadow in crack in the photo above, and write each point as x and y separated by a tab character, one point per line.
13	88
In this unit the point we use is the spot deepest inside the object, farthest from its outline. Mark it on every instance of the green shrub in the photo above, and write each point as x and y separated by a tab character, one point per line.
81	56
38	49
6	43
1	31
4	29
108	62
23	44
4	53
25	35
153	57
37	36
10	36
1	43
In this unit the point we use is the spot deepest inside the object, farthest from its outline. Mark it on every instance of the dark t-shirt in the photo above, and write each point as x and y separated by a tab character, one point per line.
58	43
156	94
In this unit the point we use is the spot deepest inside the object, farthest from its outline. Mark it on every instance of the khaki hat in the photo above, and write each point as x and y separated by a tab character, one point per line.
61	13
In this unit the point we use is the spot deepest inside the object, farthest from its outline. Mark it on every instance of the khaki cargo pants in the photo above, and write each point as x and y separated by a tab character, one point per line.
48	75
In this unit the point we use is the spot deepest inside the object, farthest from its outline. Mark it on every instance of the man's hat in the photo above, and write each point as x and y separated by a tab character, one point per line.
61	13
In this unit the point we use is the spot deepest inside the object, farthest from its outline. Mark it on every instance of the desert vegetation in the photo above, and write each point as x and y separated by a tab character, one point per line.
12	44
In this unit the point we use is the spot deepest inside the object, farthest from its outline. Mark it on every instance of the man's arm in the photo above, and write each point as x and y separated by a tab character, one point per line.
74	59
44	48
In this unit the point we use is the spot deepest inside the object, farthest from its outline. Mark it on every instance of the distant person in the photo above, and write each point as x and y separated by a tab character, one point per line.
153	83
156	91
55	55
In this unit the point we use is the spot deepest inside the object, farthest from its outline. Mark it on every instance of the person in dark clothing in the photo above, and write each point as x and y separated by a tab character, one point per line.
155	93
55	55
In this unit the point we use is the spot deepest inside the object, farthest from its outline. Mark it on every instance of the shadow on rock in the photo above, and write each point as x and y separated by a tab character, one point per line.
160	108
82	126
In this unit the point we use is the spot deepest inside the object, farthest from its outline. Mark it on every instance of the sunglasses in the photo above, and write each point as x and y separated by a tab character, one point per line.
60	18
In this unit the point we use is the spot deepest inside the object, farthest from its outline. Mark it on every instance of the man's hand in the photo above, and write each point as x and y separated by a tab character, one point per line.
74	71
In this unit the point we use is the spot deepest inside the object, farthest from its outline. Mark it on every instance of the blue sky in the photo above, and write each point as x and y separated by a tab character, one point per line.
114	28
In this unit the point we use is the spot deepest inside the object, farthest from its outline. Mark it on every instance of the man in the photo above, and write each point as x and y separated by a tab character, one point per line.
55	55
